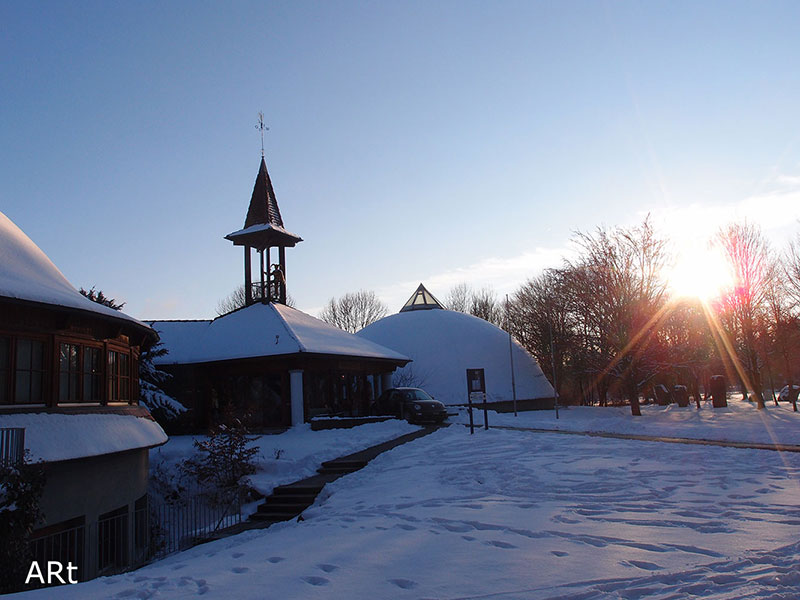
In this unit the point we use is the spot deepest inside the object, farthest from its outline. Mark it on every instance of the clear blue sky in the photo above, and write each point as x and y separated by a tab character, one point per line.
409	141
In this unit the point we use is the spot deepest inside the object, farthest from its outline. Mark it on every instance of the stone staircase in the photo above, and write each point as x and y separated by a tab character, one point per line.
289	501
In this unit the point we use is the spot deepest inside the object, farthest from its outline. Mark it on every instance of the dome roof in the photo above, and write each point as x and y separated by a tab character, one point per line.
26	273
443	344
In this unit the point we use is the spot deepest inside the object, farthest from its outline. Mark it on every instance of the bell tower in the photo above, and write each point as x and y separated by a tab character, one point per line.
263	231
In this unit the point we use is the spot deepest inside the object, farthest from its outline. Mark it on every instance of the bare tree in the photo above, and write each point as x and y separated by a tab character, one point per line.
484	305
480	303
237	299
753	266
458	298
539	313
354	310
620	294
791	272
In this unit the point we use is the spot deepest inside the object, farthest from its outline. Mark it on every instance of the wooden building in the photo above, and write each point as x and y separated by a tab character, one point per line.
275	365
69	379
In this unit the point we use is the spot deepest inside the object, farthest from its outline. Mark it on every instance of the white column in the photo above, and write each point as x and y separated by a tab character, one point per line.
386	381
296	389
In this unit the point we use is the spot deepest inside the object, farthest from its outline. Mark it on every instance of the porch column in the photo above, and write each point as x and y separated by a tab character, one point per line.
296	389
248	281
386	381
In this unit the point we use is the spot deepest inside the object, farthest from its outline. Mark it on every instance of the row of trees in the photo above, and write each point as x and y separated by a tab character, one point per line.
613	328
616	330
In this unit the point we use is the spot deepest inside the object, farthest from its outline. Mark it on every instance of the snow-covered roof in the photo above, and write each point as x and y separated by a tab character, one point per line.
26	273
262	228
261	330
55	437
443	344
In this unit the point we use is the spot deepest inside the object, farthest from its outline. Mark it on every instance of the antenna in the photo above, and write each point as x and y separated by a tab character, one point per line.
262	128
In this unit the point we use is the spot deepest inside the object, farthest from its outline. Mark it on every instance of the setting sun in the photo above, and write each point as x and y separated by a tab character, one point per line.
699	272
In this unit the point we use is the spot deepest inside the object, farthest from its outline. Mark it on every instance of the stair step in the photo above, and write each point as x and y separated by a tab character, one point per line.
283	508
336	470
289	499
271	518
297	490
339	464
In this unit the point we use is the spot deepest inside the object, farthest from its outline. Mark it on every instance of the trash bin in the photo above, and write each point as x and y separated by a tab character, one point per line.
681	395
718	391
663	397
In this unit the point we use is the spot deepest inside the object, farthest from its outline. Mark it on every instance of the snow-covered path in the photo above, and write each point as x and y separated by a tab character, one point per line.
507	514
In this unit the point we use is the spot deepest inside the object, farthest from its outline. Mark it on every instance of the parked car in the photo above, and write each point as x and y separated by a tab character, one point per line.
411	404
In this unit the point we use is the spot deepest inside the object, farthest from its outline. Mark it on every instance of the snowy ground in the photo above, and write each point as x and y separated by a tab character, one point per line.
292	455
741	421
514	514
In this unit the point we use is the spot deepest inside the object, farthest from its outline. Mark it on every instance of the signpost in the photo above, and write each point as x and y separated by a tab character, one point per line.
476	394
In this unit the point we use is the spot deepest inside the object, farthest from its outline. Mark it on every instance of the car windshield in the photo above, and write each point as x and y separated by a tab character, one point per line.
416	395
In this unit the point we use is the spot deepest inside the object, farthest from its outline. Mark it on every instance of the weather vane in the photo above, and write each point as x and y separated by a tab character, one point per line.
262	128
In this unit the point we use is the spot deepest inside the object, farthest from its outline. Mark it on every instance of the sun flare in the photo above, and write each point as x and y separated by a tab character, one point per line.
699	272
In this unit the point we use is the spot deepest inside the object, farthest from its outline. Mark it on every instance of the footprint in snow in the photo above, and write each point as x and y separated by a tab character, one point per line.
641	564
499	544
559	553
275	559
405	526
406	584
240	569
314	580
327	568
469	538
237	554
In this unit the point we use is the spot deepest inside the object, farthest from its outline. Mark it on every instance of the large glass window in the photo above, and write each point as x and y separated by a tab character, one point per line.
80	377
119	377
68	373
5	369
29	373
92	375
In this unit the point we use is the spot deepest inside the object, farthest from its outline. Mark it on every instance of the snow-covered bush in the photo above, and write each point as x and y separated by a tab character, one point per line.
165	409
223	460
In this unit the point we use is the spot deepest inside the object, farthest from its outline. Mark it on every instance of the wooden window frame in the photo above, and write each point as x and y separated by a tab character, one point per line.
46	372
116	381
82	344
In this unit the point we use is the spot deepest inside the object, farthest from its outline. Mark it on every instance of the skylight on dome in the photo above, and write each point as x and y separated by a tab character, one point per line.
421	299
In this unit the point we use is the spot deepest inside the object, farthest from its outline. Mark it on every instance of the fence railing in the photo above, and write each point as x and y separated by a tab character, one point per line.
67	547
12	446
181	525
126	540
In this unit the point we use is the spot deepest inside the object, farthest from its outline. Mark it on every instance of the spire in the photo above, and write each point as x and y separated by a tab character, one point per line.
263	204
421	299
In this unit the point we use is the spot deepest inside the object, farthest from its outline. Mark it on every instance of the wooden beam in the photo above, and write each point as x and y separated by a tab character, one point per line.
282	260
248	281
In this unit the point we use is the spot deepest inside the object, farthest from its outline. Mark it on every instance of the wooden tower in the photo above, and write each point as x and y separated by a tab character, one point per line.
263	230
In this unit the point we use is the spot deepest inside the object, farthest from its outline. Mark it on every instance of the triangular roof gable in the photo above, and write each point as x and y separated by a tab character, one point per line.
421	299
263	204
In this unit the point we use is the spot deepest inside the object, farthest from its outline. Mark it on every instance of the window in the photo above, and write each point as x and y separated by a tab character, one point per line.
29	374
5	369
68	373
119	378
80	376
92	375
112	541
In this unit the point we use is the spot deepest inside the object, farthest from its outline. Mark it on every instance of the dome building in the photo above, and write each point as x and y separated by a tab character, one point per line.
443	344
